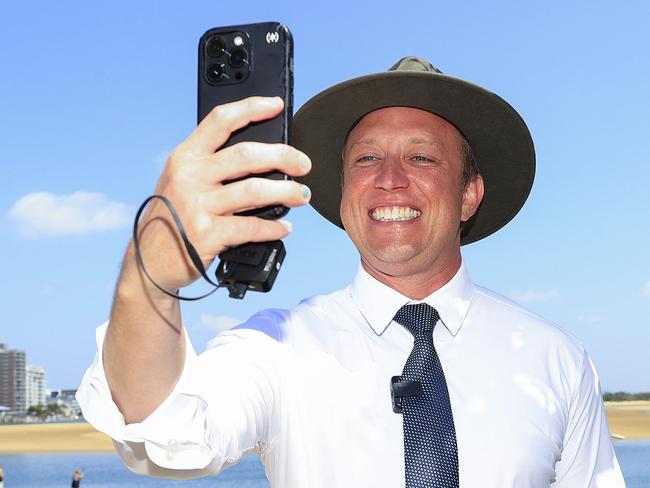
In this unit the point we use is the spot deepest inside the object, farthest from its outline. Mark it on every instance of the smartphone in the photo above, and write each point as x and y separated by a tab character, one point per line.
240	61
236	62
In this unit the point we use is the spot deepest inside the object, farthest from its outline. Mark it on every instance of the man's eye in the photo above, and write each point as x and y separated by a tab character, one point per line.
421	158
366	158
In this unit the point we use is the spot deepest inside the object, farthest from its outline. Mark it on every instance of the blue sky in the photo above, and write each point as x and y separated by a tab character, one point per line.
94	95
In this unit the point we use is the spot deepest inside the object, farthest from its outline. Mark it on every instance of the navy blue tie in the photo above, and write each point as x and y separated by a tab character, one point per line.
430	450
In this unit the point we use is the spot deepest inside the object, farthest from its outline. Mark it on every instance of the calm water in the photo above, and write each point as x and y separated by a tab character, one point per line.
105	470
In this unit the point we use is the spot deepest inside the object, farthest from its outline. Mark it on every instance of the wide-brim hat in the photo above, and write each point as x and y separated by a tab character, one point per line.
498	136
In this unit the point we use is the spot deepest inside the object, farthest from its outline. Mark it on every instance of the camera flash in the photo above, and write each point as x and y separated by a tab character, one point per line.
238	40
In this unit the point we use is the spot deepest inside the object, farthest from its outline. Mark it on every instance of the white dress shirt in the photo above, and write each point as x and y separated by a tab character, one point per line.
308	390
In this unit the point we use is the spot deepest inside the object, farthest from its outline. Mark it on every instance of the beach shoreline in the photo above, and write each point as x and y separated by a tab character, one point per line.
41	438
627	420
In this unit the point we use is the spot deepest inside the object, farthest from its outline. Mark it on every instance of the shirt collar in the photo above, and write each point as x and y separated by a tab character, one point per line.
379	303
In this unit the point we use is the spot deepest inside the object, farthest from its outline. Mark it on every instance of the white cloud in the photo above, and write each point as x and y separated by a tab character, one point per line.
646	290
528	296
217	323
592	319
46	214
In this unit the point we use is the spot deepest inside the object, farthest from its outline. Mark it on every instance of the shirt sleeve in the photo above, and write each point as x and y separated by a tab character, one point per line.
588	459
219	409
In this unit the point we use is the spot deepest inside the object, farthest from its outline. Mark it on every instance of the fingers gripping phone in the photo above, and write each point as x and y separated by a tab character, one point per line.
236	62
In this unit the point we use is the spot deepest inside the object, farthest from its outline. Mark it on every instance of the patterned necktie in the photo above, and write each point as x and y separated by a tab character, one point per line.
430	451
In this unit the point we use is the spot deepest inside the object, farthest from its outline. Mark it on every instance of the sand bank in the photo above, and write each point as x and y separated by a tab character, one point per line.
33	438
628	419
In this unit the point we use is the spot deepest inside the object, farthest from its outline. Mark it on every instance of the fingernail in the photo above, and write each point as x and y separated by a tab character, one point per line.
304	162
286	224
306	192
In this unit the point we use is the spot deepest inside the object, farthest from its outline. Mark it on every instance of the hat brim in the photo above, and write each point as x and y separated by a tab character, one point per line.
498	136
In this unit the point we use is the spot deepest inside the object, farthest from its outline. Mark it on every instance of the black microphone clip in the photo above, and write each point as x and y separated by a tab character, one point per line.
401	388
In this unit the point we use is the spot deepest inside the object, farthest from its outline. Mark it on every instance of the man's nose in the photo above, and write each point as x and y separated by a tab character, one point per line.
391	175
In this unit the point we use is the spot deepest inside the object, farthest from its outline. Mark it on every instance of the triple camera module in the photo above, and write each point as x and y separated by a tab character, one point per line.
226	58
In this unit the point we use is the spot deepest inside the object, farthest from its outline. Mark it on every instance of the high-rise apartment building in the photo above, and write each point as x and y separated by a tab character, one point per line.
13	378
36	386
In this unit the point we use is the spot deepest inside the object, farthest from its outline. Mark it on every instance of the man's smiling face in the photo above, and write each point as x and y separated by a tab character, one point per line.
402	201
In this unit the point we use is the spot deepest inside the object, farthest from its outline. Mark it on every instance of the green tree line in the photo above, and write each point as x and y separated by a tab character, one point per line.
44	411
621	396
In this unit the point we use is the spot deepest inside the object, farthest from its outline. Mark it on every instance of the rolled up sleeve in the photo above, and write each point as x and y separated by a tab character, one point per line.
219	409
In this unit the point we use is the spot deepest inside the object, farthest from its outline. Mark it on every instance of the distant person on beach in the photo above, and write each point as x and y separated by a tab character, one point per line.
77	475
410	376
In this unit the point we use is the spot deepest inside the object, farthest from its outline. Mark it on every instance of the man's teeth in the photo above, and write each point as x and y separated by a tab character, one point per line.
391	214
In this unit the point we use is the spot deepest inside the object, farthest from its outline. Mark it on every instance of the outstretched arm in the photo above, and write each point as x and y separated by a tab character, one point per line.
144	350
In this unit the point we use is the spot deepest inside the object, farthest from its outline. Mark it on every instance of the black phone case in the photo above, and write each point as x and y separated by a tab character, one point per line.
269	73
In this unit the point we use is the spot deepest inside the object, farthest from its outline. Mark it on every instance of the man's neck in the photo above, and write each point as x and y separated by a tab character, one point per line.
419	285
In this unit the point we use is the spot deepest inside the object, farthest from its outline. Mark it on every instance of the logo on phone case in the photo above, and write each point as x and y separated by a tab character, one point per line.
272	37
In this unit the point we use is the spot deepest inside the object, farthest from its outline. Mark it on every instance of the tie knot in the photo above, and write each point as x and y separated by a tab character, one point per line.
417	318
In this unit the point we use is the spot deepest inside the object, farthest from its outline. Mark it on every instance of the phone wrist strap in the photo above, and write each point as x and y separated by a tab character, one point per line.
191	250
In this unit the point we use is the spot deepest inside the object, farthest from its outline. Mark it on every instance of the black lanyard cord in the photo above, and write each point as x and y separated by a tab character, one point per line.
191	250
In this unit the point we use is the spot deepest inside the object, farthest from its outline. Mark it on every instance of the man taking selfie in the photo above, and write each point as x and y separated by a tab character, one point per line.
410	376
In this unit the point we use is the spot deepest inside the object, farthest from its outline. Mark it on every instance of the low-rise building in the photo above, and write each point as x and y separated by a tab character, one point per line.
67	400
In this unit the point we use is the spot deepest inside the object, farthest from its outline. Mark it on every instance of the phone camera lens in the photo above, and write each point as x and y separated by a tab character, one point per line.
237	57
215	47
215	72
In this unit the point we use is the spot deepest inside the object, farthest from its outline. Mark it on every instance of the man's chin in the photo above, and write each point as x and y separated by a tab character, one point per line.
393	256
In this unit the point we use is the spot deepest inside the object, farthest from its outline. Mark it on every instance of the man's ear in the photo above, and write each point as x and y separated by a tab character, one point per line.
472	197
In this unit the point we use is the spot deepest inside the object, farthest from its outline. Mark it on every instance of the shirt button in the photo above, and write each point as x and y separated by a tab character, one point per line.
172	449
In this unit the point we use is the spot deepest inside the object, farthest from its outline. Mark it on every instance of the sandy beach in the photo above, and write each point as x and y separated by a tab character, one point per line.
41	438
628	419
